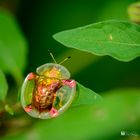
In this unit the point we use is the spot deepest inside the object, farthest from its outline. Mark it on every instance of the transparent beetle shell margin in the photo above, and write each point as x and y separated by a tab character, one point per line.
48	92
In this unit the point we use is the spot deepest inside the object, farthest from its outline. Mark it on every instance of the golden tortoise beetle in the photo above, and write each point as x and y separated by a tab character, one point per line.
48	92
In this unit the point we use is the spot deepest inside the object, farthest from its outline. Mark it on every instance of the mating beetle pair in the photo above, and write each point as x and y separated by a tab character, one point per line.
48	92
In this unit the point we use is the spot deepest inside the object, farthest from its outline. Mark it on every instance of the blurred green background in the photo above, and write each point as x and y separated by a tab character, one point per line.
38	21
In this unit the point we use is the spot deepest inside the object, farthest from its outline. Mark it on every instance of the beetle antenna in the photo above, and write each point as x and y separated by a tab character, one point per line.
52	56
65	59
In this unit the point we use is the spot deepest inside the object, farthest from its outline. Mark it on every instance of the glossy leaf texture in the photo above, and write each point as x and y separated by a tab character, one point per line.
85	96
12	46
119	111
3	86
119	39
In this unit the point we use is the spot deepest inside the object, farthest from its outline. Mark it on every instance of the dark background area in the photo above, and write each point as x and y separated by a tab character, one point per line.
39	20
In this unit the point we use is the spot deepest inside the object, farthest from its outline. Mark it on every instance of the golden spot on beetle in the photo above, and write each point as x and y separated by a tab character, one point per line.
110	37
54	72
61	98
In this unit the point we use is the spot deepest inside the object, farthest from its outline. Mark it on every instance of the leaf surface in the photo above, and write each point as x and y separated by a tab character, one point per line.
119	39
85	96
12	46
3	86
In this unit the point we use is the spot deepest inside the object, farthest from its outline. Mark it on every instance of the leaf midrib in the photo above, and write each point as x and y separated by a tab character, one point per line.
114	42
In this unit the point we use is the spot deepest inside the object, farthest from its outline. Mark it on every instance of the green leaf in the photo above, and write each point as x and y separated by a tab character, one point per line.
3	86
99	121
12	46
85	96
118	112
119	39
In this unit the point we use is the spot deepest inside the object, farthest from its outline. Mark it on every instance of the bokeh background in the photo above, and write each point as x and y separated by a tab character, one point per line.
38	21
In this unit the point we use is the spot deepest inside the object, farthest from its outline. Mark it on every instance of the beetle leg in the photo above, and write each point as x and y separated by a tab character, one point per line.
28	108
53	112
31	76
69	82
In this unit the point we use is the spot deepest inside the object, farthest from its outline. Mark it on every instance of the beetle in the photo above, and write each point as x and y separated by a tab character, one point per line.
49	91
